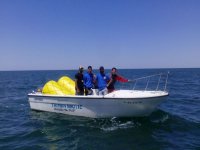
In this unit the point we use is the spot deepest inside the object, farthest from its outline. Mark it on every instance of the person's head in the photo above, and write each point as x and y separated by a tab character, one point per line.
114	70
89	69
81	69
101	69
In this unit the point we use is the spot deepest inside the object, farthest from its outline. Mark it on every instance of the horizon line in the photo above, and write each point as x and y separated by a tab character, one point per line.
105	69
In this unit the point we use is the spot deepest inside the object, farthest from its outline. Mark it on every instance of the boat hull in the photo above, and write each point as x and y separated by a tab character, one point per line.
96	106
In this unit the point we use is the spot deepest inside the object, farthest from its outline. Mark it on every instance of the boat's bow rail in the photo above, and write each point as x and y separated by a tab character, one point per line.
155	82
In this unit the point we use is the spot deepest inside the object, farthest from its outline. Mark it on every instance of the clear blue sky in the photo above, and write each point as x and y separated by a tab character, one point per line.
63	34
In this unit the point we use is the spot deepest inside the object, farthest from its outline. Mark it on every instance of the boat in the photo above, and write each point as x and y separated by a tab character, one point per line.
120	103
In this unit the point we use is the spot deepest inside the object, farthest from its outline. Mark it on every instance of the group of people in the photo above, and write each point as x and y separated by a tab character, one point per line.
85	82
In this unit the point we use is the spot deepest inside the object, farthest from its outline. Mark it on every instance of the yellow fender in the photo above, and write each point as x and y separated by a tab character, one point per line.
67	84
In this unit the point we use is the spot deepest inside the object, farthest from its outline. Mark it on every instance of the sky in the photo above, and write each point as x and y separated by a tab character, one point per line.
134	34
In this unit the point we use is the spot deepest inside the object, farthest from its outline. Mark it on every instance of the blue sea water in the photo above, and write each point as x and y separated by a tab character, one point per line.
175	125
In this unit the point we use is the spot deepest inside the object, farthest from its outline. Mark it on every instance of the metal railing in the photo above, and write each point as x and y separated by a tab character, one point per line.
153	82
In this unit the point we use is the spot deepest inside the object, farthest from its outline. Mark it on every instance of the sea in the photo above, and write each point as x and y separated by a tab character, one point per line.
175	125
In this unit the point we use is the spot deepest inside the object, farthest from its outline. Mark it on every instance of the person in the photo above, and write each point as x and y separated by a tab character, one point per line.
113	78
79	86
102	80
88	79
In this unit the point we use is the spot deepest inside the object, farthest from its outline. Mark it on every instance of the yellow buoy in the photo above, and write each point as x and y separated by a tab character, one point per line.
52	88
67	85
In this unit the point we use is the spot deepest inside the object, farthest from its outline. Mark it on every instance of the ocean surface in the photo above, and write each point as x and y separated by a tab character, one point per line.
174	126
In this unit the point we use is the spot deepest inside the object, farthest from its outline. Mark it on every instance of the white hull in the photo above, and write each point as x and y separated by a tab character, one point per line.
122	103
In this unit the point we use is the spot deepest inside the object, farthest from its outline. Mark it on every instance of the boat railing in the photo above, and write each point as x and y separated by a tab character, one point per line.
155	82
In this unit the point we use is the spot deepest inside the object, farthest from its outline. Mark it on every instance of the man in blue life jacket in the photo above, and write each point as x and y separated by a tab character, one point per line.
88	79
102	81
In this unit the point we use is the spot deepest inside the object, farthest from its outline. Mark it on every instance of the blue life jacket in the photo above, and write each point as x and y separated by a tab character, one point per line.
102	80
88	80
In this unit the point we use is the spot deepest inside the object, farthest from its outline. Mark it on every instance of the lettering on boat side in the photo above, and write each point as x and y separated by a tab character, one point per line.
66	107
137	102
38	99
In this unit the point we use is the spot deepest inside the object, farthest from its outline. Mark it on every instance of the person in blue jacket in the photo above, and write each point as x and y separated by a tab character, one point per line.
102	79
89	79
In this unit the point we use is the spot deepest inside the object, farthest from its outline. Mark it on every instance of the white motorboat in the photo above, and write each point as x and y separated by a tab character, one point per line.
120	103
